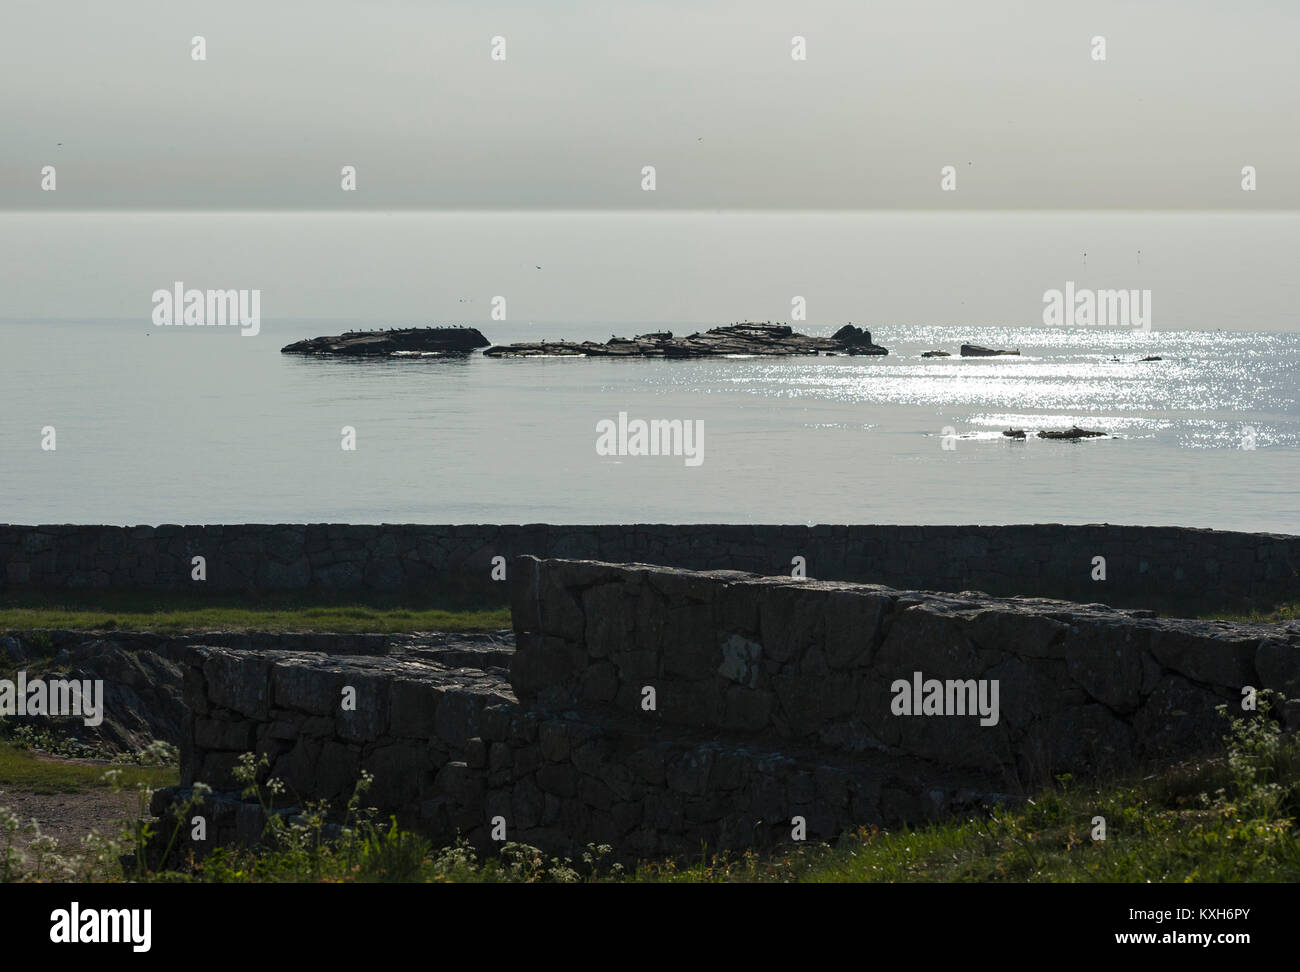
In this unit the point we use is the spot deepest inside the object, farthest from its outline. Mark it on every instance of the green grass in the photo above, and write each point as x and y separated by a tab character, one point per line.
445	609
174	614
21	770
342	619
336	620
1282	612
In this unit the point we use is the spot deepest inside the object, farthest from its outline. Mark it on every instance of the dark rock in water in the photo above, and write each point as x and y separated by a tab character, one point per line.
936	354
1014	433
747	338
1153	357
977	351
854	337
398	342
1074	432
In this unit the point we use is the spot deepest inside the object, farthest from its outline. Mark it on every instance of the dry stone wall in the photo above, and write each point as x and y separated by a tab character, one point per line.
1079	688
658	710
1142	563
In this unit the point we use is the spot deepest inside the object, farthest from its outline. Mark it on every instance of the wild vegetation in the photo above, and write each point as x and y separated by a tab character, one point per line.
1227	817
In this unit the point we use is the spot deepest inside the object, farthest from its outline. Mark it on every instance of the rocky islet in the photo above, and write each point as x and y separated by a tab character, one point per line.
733	339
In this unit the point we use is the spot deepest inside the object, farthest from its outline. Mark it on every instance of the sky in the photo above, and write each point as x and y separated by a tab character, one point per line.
774	177
1204	270
707	92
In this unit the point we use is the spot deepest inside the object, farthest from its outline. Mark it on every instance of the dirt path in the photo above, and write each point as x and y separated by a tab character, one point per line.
69	817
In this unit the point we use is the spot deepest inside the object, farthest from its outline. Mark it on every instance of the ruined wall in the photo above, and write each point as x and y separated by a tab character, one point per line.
1169	564
1080	687
772	699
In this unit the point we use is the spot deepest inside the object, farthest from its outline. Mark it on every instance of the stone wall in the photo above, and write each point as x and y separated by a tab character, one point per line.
773	699
1144	565
451	749
1081	688
143	681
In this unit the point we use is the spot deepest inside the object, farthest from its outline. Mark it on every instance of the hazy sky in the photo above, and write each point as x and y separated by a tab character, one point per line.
1204	270
705	91
1057	156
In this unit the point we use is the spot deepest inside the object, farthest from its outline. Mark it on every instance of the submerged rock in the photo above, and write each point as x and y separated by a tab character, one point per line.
397	342
978	351
1014	433
936	354
1153	357
747	338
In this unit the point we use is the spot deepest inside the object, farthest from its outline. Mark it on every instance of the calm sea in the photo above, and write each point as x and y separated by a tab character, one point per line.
185	425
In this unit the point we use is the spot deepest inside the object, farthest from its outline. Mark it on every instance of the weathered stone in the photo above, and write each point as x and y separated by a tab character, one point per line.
853	620
495	722
1179	718
414	342
1206	652
413	706
740	660
457	716
606	632
544	664
397	770
554	742
809	701
476	753
1041	559
1018	633
221	734
617	777
561	613
927	638
499	756
1106	661
648	765
461	783
363	717
792	620
736	748
748	338
594	793
307	688
237	682
689	650
599	683
337	770
1078	736
747	709
688	773
526	804
558	778
1278	664
692	703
